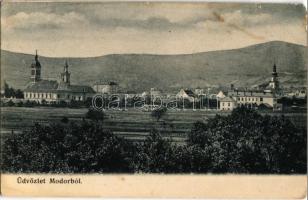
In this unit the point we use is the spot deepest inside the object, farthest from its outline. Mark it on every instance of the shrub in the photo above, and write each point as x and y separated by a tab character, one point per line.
95	115
159	113
66	148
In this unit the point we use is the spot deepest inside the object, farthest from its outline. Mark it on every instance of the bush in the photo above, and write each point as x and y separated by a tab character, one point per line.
66	148
10	103
247	142
159	113
95	115
64	120
243	142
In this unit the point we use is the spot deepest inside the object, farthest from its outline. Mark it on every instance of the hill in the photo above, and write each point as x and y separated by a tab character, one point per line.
243	67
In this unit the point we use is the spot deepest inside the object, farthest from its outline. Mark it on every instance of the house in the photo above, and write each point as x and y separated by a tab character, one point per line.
155	93
299	93
110	87
220	95
227	103
253	98
199	91
186	94
53	91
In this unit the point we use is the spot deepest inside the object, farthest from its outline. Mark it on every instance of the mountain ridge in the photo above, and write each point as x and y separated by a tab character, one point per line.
250	65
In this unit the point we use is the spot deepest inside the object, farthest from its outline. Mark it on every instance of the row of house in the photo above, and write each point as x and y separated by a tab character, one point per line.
40	90
266	96
54	91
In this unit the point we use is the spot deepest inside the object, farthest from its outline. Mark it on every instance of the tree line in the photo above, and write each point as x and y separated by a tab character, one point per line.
242	142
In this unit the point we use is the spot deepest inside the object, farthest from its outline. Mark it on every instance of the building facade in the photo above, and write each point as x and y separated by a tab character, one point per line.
266	97
48	91
227	103
106	87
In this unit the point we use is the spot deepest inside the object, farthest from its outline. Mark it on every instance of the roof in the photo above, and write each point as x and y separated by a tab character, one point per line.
189	93
41	86
54	86
220	94
250	94
101	82
80	88
227	99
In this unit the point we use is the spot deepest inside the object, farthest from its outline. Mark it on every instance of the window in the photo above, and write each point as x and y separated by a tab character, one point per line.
229	104
223	104
248	99
261	99
58	96
33	72
238	98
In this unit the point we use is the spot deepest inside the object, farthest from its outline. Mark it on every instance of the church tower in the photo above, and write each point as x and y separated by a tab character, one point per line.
274	83
35	69
65	75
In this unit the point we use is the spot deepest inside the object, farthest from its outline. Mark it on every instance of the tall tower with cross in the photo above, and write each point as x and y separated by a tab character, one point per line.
35	69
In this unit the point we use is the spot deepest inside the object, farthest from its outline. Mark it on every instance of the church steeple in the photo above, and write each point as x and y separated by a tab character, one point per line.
35	69
36	56
65	75
274	83
274	73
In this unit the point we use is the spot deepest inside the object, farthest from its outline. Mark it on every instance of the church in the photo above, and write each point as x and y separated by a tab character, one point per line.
265	95
49	91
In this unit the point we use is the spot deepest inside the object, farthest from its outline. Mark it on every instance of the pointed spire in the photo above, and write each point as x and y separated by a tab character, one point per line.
274	68
36	56
66	66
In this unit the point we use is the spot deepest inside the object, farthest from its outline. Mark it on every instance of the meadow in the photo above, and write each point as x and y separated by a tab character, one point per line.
132	124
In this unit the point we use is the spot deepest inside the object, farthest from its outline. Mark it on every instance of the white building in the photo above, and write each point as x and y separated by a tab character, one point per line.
40	90
186	94
253	98
227	103
220	95
106	87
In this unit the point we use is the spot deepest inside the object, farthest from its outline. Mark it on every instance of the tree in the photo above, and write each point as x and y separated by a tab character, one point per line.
155	155
159	113
67	148
19	94
65	120
95	115
247	142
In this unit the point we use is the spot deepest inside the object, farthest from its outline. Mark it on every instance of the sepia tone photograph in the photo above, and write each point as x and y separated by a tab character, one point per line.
153	88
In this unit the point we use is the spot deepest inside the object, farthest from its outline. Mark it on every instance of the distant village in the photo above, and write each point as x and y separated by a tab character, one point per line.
268	95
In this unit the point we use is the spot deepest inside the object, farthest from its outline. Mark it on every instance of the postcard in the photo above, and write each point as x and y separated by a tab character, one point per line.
153	99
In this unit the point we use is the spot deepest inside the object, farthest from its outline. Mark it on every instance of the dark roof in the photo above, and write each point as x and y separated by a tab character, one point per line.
101	82
227	99
41	86
80	88
189	93
250	94
54	86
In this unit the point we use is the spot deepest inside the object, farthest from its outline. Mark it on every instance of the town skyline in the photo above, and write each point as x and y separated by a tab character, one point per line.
56	29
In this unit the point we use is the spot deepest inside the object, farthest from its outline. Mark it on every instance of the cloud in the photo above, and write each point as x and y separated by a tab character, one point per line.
243	19
39	20
160	28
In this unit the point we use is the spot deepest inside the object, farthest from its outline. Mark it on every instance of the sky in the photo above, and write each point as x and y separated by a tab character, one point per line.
95	29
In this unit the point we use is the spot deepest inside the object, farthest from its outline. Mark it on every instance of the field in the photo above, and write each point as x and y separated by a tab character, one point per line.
131	124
